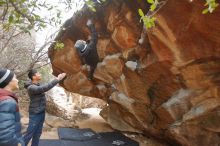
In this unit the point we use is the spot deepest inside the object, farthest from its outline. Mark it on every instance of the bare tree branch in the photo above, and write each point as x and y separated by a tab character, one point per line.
22	14
5	11
9	39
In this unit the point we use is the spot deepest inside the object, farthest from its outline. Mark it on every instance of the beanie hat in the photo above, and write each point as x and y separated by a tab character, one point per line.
5	77
80	45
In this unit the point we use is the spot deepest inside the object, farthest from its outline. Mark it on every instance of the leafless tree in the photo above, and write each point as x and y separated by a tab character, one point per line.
18	51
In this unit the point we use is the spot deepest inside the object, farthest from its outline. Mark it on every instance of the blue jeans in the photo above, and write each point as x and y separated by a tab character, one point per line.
34	129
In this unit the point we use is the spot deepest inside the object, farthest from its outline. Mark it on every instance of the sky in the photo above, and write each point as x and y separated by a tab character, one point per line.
65	15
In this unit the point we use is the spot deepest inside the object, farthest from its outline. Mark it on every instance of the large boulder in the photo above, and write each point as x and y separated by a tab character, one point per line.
167	86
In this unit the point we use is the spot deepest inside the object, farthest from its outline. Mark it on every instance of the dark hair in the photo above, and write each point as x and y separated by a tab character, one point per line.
32	73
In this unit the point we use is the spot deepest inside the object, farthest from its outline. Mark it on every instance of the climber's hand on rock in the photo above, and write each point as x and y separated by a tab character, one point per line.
89	22
141	41
84	67
61	76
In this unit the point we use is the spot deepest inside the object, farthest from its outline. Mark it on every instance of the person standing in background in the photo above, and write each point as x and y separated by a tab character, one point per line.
37	106
10	127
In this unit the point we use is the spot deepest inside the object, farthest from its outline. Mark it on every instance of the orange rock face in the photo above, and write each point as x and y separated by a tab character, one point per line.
167	86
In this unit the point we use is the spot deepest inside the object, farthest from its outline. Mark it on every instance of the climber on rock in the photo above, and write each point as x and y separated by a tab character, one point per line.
87	49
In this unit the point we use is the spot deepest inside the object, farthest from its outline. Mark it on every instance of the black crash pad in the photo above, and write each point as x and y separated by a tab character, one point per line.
93	142
49	142
72	143
105	139
77	134
101	139
117	139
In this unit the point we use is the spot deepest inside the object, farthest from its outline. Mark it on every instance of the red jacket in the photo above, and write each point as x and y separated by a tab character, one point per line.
5	94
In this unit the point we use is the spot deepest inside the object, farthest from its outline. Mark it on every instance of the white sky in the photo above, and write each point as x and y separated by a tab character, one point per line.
65	14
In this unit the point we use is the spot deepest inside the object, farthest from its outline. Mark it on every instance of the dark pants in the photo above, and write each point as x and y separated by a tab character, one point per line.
92	69
34	129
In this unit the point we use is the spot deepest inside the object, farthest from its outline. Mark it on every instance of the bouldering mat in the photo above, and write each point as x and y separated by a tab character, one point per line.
110	139
117	139
82	143
49	142
77	134
100	139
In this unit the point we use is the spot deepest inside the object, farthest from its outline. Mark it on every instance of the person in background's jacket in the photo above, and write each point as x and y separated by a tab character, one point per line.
10	126
37	106
88	51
